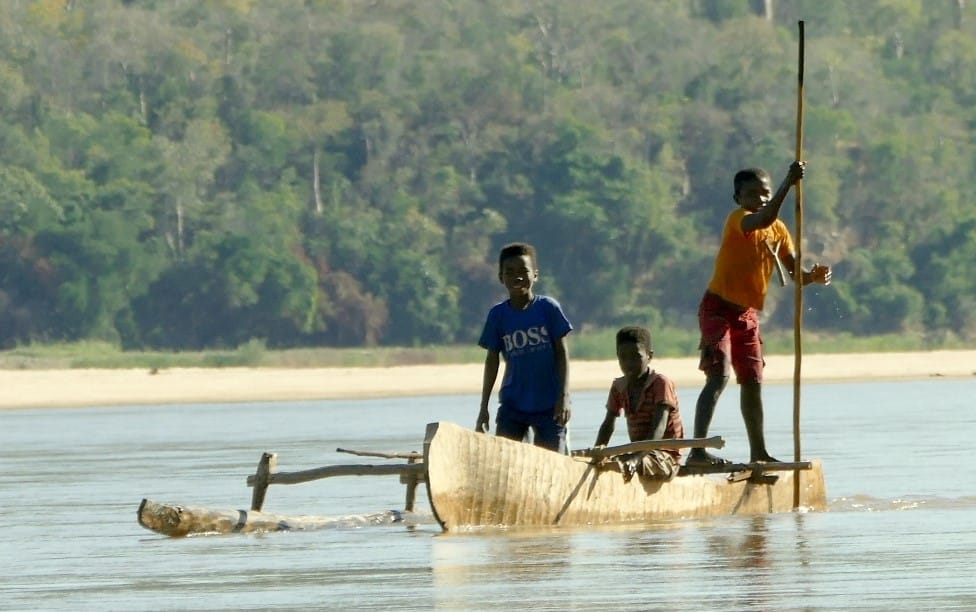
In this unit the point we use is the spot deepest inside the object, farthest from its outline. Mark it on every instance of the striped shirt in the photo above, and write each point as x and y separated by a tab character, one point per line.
658	389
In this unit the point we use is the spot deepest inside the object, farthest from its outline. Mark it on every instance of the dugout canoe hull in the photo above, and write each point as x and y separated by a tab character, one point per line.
479	480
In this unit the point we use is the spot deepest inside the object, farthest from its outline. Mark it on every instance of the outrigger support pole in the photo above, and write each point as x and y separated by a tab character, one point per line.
262	478
410	473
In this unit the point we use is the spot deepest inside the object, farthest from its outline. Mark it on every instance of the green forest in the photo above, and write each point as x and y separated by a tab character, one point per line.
185	175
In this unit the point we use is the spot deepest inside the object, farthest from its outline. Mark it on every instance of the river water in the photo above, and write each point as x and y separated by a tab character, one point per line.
900	533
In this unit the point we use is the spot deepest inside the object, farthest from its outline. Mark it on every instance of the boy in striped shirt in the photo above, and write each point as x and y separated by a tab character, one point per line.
649	402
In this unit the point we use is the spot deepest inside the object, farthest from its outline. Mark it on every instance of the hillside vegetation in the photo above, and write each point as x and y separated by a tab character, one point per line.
178	175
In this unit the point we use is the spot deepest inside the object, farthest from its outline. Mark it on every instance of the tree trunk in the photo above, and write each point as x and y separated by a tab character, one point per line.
179	229
316	188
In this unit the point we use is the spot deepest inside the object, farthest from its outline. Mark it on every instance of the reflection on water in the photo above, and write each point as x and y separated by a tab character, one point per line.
73	479
745	550
520	556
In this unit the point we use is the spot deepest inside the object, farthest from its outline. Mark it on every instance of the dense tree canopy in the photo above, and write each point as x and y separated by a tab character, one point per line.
188	174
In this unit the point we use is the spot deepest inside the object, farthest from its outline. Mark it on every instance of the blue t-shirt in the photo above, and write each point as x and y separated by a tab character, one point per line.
524	338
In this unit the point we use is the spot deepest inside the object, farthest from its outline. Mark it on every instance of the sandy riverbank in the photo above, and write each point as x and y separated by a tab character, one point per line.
63	388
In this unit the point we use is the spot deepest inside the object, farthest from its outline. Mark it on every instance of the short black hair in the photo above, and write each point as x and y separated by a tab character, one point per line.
636	334
517	249
749	175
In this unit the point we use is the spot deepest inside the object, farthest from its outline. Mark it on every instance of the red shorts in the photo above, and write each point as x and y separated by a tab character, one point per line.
730	339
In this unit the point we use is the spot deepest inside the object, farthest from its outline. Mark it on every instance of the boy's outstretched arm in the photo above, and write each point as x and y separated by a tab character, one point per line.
488	383
818	274
765	216
606	429
562	411
659	421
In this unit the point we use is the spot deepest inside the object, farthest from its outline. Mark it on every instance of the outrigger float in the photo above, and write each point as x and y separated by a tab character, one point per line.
474	480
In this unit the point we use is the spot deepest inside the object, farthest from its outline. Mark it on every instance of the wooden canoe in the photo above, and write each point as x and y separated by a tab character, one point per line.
478	480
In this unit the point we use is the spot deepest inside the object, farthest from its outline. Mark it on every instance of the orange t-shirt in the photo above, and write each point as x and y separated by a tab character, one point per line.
744	263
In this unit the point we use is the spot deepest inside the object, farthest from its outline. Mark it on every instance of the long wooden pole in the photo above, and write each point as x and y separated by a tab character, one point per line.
798	275
329	471
646	445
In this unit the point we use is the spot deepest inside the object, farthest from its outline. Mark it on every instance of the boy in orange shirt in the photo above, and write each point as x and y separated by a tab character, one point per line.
754	242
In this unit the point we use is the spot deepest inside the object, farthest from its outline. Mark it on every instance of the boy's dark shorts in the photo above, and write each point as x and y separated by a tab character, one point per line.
730	339
515	424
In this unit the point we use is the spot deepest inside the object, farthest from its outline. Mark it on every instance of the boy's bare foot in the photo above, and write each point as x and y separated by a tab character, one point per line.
700	457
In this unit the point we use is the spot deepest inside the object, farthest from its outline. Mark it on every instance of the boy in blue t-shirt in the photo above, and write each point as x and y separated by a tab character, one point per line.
530	332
